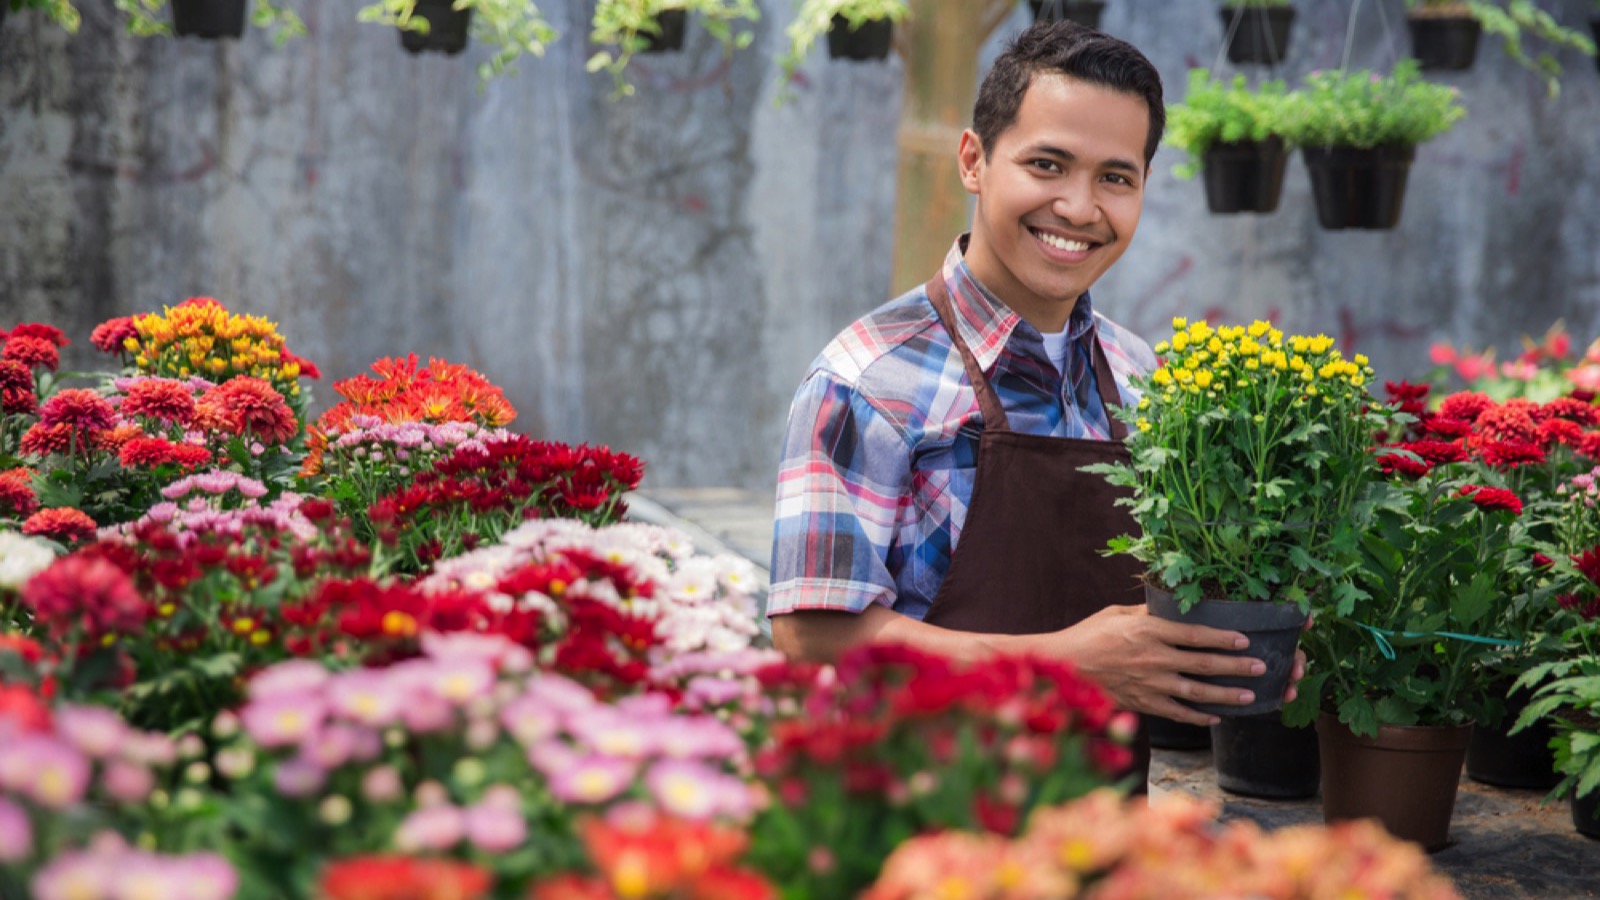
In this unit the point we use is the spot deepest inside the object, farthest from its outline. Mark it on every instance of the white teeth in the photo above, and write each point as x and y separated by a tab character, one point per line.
1062	243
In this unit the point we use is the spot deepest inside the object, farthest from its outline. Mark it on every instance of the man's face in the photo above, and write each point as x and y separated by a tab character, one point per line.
1059	195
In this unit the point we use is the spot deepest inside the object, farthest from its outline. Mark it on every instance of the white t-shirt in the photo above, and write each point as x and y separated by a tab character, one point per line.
1055	346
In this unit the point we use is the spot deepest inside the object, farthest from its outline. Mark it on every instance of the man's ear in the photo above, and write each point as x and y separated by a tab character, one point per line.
970	157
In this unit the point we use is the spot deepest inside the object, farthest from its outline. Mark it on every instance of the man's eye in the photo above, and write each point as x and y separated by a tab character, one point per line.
1048	165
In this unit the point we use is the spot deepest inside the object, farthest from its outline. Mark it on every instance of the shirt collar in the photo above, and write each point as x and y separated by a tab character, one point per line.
986	324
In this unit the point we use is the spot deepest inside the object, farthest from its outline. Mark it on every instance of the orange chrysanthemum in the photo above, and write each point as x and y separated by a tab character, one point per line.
247	405
63	524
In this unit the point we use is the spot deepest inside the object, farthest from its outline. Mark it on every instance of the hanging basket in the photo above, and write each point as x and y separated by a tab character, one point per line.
1359	187
447	28
1273	630
1244	176
1261	35
673	23
1594	25
1259	756
869	42
209	19
1084	12
1406	777
1444	43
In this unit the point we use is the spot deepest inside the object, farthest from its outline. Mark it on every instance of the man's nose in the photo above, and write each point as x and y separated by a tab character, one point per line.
1075	201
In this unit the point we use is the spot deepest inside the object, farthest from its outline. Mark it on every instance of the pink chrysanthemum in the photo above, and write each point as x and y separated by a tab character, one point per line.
111	335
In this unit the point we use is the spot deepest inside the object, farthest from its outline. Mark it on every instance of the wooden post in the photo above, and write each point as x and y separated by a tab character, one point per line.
940	43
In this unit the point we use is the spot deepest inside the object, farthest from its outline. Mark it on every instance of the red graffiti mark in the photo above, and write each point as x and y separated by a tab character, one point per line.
1173	276
1513	167
694	203
1352	333
311	173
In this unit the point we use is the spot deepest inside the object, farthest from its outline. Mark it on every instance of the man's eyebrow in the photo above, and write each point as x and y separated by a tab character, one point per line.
1124	165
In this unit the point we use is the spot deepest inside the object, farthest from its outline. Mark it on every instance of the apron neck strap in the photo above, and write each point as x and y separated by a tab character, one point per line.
994	416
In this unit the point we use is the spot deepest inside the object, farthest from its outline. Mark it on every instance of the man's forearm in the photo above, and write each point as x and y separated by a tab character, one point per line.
823	635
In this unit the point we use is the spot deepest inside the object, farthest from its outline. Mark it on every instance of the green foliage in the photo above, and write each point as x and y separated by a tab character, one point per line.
1569	695
815	18
1511	20
1364	109
513	27
624	27
1397	647
62	12
1249	452
1215	112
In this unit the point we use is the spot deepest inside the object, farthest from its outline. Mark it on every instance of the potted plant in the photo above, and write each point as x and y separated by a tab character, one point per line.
856	29
1394	683
1249	450
1257	31
1084	12
1444	33
1358	132
1569	698
623	28
1232	133
512	27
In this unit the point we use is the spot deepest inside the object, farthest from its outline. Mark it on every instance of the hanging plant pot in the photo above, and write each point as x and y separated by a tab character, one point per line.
1245	176
1594	25
1406	777
1259	756
447	28
1359	187
1444	43
208	18
1170	734
1084	12
1586	814
1262	33
1274	632
871	41
673	23
1521	760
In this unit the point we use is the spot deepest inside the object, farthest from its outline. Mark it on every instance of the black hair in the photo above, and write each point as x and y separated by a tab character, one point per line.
1070	49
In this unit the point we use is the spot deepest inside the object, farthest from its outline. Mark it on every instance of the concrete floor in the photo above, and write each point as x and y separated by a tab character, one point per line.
1505	845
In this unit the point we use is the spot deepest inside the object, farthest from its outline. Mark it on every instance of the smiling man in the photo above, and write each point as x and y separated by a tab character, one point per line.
930	491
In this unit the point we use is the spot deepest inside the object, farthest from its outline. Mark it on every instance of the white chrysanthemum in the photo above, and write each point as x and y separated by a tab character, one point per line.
22	557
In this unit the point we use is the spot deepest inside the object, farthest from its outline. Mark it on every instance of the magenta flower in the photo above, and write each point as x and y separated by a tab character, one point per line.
431	828
331	747
366	696
54	773
530	720
381	784
295	676
592	779
607	731
282	720
494	828
298	777
76	874
699	737
127	782
16	833
693	790
460	681
560	692
95	730
149	749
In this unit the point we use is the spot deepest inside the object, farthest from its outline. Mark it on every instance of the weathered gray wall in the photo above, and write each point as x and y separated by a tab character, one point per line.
656	272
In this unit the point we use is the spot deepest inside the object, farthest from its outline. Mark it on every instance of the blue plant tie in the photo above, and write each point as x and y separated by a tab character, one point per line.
1382	635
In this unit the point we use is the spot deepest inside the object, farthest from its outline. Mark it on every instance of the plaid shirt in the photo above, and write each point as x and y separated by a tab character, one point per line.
882	442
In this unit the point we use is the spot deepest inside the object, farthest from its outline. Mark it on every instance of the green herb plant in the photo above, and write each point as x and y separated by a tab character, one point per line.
1217	112
623	28
815	18
1364	109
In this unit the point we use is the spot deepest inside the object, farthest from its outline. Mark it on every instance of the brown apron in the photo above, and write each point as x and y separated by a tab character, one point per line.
1029	557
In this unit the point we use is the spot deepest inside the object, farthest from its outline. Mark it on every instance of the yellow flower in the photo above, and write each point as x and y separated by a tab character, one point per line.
1357	381
1259	328
1252	364
1162	347
1161	377
1214	345
1179	323
1180	341
1144	424
1203	378
1361	359
1144	402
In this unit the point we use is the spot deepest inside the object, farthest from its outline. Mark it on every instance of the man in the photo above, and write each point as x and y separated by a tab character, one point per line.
930	491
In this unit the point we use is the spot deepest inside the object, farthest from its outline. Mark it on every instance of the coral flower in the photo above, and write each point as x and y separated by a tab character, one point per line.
14	376
247	405
33	352
155	451
111	336
17	499
81	408
403	878
165	399
64	524
38	330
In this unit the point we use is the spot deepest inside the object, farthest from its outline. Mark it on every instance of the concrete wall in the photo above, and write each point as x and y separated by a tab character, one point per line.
656	272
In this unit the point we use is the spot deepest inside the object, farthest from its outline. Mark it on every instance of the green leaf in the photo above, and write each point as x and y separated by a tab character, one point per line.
1357	713
1474	600
1394	711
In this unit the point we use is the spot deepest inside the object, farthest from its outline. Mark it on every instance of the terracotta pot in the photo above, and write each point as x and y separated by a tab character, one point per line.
869	42
1586	814
1261	35
1406	777
1169	734
1274	632
1521	760
1084	12
1259	756
1444	43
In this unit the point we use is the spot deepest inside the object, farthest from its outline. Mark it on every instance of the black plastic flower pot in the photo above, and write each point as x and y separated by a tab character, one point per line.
1358	187
1273	630
674	23
447	28
1084	12
1521	760
1259	756
1594	25
869	42
1170	734
208	18
1245	176
1261	35
1444	43
1586	814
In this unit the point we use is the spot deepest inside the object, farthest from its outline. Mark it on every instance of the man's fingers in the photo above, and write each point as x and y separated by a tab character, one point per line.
1216	664
1199	637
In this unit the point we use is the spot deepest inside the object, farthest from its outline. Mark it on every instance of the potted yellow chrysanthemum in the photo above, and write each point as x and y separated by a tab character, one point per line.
1250	450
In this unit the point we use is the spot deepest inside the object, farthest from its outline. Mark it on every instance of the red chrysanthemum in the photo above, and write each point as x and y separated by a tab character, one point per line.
80	408
18	402
112	439
14	376
1465	405
247	405
85	590
1560	431
165	399
1492	498
155	451
63	523
24	709
1395	464
17	500
403	878
308	369
1589	445
1588	610
1512	420
110	336
1407	397
42	331
1445	428
43	440
1540	561
1588	563
1437	453
1509	454
1571	409
33	352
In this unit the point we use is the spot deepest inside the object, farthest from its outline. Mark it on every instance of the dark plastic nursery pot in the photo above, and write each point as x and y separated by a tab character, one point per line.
1586	814
1261	34
208	18
1358	187
447	28
1444	43
869	42
1084	12
1170	734
1274	633
1259	756
674	24
1521	760
1245	176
